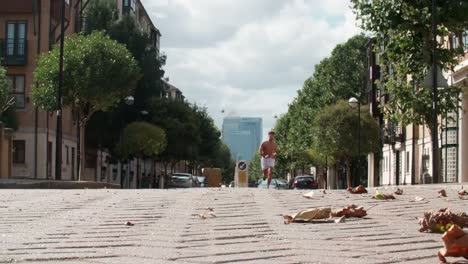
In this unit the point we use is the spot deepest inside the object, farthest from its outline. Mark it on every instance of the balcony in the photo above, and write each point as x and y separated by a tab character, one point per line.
13	53
392	134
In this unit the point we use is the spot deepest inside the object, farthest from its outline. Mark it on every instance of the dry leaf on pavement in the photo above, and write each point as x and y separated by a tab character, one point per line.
442	193
379	196
309	215
350	211
417	199
340	220
309	195
357	190
462	193
399	191
455	244
441	220
205	215
129	223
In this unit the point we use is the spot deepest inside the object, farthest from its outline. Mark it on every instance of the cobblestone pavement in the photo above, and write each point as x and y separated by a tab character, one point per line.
89	226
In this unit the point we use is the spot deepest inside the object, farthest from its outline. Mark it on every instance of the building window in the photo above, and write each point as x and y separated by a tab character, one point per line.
465	40
16	39
19	151
67	155
16	84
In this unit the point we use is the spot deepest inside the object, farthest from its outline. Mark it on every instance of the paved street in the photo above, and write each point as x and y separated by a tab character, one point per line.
89	226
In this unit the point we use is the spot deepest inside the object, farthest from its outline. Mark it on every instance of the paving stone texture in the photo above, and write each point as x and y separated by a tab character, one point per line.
89	226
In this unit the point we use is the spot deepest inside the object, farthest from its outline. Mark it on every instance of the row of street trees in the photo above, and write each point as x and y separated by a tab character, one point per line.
111	60
319	127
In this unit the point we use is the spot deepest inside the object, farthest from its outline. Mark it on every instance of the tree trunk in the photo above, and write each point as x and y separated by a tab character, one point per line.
162	178
138	173
82	151
439	157
348	173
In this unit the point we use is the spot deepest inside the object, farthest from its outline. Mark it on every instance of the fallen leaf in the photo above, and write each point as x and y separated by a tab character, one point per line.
462	192
455	244
129	223
309	195
210	209
380	196
324	192
308	215
441	220
398	191
205	215
442	193
350	211
417	199
357	190
340	220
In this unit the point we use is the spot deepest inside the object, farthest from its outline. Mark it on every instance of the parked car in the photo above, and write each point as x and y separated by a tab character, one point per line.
274	184
182	180
305	182
201	180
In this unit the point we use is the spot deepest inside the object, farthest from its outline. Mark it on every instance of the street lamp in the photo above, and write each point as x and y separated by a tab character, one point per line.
353	103
129	100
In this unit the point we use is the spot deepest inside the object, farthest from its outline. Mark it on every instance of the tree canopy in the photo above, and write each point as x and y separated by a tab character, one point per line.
142	139
336	130
404	44
6	99
339	76
98	73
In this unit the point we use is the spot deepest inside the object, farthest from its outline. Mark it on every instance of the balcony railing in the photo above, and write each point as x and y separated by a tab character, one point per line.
13	53
392	134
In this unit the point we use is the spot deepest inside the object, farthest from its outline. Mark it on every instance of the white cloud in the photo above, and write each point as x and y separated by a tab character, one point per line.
248	57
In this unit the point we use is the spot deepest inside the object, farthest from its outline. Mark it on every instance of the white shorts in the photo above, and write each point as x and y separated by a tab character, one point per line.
268	163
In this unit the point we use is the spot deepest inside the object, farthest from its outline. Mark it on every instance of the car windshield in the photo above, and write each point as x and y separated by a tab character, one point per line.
180	177
201	179
302	179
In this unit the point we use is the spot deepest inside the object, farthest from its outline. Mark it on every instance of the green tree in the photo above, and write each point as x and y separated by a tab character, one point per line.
224	161
404	45
209	137
6	99
7	112
100	15
181	127
150	60
255	168
338	77
336	134
142	139
98	74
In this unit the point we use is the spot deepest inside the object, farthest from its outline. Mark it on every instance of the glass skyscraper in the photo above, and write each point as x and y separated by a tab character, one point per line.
243	136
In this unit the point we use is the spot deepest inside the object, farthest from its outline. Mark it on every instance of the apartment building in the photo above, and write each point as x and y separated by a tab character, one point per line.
406	156
29	28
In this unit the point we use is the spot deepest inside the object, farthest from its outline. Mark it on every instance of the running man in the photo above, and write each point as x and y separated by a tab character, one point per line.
268	151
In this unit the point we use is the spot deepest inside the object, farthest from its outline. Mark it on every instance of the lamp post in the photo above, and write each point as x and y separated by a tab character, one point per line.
435	80
58	135
129	100
353	103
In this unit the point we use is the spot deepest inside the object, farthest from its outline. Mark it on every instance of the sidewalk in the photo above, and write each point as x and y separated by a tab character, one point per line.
90	227
52	184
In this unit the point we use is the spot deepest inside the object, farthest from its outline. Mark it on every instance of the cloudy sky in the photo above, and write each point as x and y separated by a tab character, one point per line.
247	57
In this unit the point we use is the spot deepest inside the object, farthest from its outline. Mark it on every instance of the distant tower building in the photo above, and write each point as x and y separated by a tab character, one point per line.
243	136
